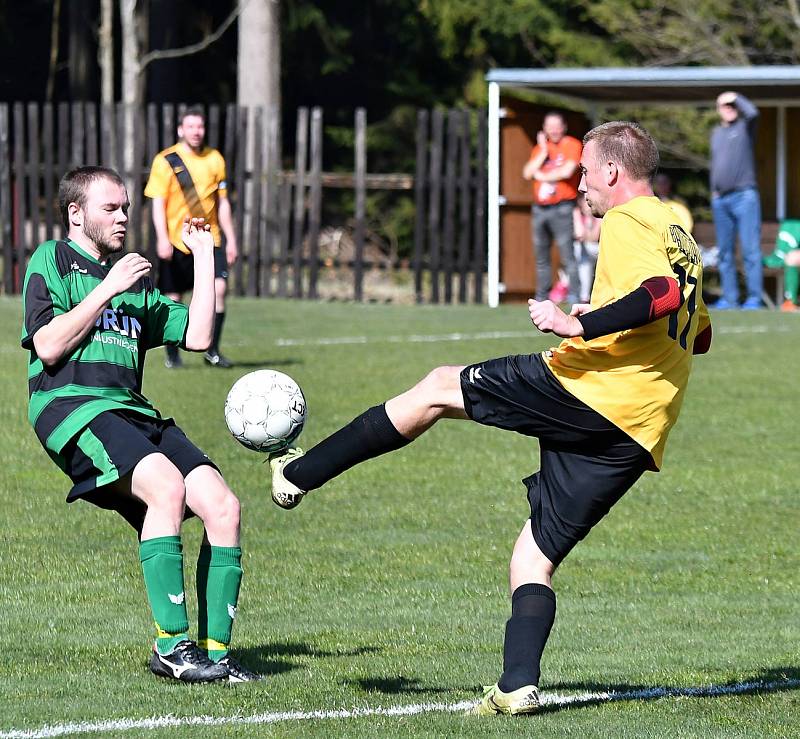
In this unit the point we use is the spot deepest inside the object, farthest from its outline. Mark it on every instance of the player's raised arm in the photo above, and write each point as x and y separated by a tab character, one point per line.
197	237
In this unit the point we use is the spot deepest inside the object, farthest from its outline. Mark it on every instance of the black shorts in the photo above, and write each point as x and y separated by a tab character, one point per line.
111	446
587	463
176	275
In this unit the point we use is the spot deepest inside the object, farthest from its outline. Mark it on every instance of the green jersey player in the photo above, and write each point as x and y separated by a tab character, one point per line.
87	326
786	255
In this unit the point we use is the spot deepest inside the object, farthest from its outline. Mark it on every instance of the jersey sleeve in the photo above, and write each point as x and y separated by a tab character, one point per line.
167	320
222	179
158	182
703	318
44	294
634	252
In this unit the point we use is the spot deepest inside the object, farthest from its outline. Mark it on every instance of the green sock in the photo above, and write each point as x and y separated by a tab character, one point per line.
162	565
775	260
219	576
791	283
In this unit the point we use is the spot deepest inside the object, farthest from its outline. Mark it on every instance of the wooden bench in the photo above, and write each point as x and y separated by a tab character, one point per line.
772	291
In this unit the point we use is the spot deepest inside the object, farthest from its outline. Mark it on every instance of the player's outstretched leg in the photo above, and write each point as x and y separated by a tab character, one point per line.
381	429
533	611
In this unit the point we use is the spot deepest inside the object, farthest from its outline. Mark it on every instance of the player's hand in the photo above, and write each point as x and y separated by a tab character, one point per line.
549	318
231	252
164	249
578	309
196	235
126	272
541	139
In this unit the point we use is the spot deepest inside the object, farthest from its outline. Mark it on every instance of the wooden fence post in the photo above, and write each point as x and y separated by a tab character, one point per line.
301	139
254	206
464	182
240	167
5	203
420	180
33	172
285	208
361	201
315	200
77	149
19	194
90	116
479	252
434	203
270	215
449	231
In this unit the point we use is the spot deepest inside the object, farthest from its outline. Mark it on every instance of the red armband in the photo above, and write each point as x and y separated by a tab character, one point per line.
665	296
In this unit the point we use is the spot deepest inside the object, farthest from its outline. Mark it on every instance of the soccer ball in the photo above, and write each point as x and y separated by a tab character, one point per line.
265	411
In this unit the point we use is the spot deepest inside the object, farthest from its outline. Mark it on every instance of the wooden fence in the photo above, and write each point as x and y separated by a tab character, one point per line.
277	211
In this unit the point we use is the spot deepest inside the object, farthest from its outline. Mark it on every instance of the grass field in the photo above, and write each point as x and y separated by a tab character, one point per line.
386	591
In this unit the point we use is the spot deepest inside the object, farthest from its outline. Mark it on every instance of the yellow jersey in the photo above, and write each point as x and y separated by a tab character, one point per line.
637	378
207	169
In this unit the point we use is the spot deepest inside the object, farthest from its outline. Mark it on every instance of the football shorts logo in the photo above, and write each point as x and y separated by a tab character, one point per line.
177	599
475	374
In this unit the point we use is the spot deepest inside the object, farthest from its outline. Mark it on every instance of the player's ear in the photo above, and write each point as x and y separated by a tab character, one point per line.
75	214
612	172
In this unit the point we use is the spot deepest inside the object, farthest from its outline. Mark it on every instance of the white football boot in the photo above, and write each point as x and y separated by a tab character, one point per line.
284	493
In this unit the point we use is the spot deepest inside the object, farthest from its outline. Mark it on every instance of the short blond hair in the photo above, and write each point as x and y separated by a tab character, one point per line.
628	145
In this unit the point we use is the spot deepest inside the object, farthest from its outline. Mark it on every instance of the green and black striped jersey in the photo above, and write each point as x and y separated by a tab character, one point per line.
105	371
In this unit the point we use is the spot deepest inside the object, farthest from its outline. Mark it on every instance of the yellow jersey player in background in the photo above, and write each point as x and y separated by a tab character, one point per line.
601	403
188	180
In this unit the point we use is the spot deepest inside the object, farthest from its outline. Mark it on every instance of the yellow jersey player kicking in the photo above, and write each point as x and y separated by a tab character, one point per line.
601	403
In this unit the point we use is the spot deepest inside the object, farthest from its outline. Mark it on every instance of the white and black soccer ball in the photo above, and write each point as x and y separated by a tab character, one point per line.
265	411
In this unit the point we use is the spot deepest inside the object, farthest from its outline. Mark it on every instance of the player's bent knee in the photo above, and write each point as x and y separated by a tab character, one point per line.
443	381
229	511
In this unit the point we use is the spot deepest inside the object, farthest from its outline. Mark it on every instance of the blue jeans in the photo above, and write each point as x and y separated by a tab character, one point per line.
739	212
554	223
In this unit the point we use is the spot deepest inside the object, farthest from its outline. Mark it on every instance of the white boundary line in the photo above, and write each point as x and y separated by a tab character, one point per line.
552	699
483	335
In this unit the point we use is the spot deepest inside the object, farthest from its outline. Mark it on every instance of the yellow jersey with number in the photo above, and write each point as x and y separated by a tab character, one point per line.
207	169
637	378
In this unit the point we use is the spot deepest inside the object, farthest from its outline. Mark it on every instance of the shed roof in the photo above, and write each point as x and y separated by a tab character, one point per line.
616	85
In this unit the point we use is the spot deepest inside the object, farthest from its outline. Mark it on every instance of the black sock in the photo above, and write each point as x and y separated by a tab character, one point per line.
219	319
172	353
533	611
366	436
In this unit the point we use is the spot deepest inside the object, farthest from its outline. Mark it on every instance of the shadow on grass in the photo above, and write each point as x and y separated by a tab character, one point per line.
394	686
266	658
267	363
772	680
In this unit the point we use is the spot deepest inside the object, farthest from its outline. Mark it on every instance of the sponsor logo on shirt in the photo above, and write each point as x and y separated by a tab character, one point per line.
116	320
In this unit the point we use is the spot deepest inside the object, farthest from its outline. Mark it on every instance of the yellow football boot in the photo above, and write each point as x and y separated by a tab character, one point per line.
519	701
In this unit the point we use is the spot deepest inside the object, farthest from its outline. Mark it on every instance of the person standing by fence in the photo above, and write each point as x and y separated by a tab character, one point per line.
188	179
553	167
735	200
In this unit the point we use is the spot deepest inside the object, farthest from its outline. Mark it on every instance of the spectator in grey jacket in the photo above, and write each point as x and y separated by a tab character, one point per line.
735	201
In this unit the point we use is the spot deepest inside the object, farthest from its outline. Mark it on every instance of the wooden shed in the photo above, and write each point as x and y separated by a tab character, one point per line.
513	125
